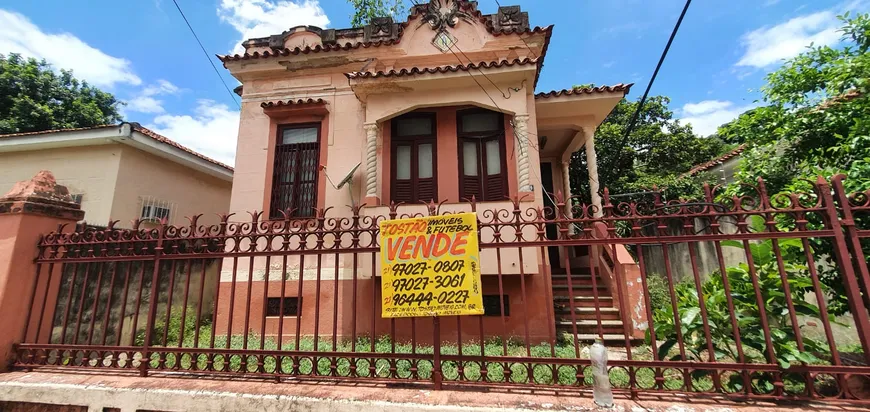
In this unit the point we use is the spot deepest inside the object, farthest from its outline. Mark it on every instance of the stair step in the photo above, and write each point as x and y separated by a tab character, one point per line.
579	286
602	310
593	323
574	275
575	270
583	297
608	337
584	301
586	311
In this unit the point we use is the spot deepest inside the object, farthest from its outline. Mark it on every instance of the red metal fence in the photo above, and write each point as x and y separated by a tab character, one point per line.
739	296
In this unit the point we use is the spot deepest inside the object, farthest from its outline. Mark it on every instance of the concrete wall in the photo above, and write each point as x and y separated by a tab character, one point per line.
89	170
141	175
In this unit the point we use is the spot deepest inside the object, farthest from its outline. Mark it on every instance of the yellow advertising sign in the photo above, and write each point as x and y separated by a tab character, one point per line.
431	267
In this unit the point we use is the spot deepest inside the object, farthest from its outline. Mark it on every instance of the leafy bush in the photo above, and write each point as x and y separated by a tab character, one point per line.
747	314
657	287
173	334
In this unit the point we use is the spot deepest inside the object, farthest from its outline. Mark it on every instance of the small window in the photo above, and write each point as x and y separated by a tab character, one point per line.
291	306
413	159
492	305
483	168
77	198
155	212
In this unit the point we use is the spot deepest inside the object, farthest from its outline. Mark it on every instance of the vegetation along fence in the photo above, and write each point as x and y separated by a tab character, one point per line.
780	312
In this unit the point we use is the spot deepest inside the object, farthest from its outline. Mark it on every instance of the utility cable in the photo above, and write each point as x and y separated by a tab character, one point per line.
207	56
652	80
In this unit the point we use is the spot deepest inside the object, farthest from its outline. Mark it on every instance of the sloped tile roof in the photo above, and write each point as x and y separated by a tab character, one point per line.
135	126
719	160
297	102
163	139
621	87
75	129
306	50
441	69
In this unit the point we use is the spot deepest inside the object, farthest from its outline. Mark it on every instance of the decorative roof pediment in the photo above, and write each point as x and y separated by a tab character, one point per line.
439	15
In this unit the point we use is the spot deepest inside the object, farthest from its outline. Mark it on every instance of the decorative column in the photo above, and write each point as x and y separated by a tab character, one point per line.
28	291
371	161
592	167
521	130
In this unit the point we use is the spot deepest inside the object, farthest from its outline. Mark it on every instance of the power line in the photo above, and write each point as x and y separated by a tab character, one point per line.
521	39
207	56
479	70
475	80
653	79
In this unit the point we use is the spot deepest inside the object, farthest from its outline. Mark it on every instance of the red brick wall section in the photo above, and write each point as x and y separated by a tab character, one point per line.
532	310
39	407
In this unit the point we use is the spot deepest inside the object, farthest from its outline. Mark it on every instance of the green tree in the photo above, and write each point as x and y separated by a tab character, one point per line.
816	122
366	10
657	152
816	118
33	97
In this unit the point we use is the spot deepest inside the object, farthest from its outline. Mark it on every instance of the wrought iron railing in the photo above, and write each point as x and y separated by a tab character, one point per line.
780	312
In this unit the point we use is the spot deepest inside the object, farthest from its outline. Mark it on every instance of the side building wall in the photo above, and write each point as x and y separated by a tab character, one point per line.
90	171
142	175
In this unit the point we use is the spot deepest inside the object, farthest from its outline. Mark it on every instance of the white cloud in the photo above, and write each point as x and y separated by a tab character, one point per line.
770	45
146	102
706	116
261	18
706	106
64	51
212	130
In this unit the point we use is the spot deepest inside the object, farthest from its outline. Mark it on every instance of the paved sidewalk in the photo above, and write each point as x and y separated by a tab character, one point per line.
129	394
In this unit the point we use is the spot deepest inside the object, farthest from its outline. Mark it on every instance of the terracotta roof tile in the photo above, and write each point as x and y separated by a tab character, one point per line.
163	139
621	87
440	69
297	102
102	126
308	49
135	126
719	160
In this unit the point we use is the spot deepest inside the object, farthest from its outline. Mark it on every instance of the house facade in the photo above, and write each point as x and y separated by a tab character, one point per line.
121	173
438	108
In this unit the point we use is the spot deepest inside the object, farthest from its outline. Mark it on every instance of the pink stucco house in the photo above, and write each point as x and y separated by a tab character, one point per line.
439	107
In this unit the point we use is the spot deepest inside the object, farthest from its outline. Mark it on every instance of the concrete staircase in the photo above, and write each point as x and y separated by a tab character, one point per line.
584	302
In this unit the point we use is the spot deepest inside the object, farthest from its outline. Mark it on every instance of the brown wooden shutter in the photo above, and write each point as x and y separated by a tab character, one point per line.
414	189
469	185
295	176
495	185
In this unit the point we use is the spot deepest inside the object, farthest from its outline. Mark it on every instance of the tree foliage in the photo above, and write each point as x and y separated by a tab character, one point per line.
816	122
366	10
816	118
33	97
657	152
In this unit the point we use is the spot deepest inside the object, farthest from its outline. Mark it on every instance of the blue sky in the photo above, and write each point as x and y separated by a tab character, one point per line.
141	50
